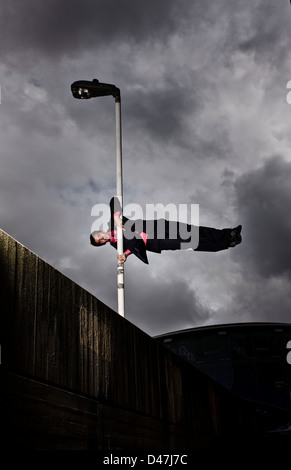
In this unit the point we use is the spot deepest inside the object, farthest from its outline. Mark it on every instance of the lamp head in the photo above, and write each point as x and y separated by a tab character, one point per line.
84	89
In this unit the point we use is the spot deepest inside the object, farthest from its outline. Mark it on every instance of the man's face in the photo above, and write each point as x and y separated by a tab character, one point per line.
101	237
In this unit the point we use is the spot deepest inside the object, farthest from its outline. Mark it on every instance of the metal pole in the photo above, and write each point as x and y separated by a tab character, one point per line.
119	194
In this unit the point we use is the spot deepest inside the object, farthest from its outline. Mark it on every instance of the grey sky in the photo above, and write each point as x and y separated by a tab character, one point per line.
204	120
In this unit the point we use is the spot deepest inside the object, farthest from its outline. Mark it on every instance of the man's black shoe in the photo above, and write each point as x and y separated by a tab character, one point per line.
235	236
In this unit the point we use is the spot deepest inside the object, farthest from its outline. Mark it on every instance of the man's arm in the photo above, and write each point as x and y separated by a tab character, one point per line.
117	220
119	223
122	258
136	246
115	210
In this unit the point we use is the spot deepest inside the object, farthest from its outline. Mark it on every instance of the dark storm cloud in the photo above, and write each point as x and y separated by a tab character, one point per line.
55	27
264	204
173	302
266	32
163	113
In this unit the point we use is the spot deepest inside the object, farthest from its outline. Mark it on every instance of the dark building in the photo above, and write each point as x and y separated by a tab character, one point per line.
253	360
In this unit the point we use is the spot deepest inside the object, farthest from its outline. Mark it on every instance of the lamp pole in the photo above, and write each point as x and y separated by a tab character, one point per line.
84	89
119	194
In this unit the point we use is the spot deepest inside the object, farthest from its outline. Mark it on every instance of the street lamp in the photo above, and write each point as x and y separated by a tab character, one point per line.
84	89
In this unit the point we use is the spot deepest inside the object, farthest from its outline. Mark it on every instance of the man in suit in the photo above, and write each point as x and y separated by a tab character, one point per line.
140	236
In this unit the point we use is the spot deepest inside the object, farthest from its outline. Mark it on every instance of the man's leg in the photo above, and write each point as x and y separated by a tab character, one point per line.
212	239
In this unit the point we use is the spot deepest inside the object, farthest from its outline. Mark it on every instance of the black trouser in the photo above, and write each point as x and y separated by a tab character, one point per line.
210	239
213	239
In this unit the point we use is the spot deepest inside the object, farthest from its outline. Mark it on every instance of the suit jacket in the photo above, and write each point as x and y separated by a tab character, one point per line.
132	241
158	231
